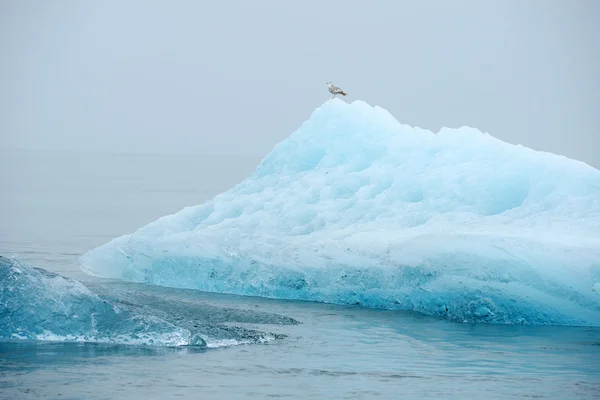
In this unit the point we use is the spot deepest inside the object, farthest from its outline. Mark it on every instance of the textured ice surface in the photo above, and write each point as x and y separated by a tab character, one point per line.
39	305
356	208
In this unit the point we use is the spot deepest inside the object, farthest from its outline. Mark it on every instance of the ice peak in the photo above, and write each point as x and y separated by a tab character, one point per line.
355	207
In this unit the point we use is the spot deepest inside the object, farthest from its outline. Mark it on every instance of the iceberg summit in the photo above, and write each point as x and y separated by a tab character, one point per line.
356	208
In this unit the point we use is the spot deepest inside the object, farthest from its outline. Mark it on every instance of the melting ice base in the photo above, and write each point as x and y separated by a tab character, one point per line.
36	304
39	305
356	208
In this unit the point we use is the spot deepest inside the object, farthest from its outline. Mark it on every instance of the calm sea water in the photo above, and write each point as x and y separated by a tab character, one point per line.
55	206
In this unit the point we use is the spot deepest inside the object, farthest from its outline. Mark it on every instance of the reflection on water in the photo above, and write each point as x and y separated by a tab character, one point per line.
24	356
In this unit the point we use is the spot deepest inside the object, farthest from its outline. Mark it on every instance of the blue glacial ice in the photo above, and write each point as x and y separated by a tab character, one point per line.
36	304
356	208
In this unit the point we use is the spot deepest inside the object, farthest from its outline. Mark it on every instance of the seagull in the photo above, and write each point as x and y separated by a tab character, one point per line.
335	90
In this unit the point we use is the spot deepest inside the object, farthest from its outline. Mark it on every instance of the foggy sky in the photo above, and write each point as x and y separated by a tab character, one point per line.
239	76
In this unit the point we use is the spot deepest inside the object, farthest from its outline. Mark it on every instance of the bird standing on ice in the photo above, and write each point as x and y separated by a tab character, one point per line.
335	90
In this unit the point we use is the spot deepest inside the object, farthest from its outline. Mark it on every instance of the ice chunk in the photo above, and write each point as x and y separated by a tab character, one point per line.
39	305
356	208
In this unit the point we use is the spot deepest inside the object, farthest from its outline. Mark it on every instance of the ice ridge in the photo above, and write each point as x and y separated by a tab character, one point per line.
356	208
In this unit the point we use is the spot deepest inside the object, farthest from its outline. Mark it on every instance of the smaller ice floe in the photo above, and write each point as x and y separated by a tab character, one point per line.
36	304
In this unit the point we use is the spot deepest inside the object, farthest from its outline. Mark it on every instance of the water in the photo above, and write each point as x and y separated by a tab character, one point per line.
55	206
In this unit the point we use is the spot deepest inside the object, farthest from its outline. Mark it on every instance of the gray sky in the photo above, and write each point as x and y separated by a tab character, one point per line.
239	76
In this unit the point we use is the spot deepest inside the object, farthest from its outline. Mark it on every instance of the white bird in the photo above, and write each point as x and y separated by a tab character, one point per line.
335	90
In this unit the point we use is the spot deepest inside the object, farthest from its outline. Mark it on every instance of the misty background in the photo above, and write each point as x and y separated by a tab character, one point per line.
236	77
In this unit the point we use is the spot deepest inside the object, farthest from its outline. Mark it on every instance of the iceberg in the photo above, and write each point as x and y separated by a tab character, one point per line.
356	208
36	304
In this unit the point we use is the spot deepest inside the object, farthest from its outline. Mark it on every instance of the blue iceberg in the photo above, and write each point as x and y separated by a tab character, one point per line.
36	304
356	208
